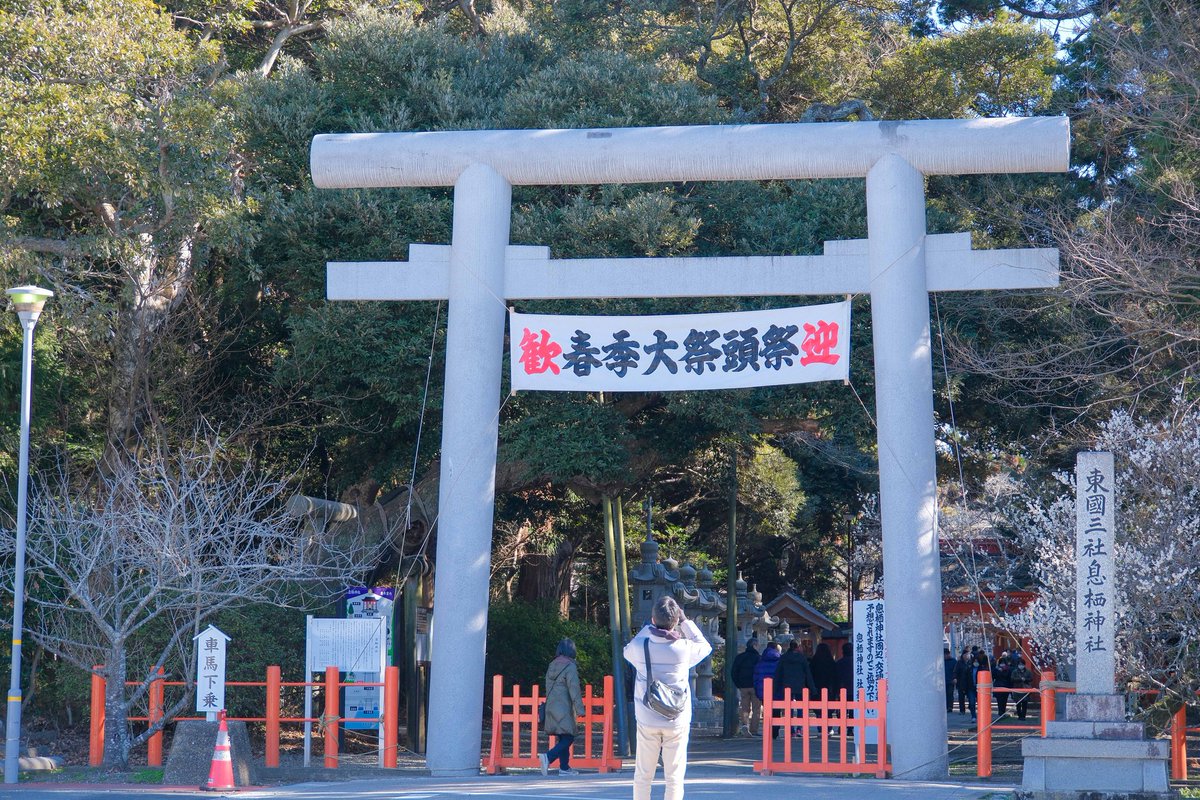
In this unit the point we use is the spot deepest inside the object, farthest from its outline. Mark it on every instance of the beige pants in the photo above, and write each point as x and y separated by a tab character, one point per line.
671	744
749	710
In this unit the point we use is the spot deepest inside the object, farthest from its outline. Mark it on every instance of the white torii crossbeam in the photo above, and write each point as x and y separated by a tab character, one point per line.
898	265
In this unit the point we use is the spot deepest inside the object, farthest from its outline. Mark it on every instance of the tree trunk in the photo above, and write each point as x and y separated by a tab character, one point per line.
157	283
118	735
544	579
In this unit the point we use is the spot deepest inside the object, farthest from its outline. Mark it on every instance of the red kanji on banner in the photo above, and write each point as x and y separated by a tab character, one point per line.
818	342
537	354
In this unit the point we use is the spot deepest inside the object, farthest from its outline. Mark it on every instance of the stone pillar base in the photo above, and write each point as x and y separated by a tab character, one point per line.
1095	769
708	714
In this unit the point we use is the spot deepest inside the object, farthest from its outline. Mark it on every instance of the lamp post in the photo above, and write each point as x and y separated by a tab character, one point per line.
27	302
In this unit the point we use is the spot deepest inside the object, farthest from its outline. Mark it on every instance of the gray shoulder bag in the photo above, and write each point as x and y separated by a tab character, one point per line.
664	700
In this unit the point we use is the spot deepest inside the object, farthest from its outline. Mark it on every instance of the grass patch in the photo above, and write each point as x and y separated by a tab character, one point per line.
147	775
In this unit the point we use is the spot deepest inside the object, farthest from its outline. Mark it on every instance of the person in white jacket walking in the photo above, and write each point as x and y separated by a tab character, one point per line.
676	645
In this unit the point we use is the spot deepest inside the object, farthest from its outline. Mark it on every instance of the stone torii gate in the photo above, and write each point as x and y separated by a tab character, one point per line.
898	264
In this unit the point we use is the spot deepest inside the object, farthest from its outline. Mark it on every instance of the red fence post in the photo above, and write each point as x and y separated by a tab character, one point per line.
274	687
493	762
332	692
882	747
1179	768
983	684
391	716
1046	693
607	758
768	712
96	724
154	699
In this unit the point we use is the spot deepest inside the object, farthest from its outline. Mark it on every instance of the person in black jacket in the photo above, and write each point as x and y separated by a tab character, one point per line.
824	672
749	706
845	675
963	681
793	672
981	664
950	668
1002	679
845	671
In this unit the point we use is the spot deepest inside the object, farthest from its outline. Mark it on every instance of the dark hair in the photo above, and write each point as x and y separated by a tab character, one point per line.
666	614
822	653
566	648
847	649
794	644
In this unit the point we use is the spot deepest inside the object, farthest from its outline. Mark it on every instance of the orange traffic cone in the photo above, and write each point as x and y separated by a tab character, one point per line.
220	774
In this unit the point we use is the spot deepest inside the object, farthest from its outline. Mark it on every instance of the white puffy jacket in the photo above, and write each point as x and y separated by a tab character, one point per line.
670	661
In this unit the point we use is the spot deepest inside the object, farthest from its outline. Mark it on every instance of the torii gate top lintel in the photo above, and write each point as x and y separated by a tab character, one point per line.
783	151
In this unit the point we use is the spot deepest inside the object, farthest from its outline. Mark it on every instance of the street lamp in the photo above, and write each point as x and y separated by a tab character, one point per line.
27	302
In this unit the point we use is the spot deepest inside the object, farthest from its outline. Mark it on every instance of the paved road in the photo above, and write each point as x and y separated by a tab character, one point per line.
710	784
719	769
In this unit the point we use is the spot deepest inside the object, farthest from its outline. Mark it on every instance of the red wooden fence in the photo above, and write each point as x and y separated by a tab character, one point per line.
804	717
514	720
273	719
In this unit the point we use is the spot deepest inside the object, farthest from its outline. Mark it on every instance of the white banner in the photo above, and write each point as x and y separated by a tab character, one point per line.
680	352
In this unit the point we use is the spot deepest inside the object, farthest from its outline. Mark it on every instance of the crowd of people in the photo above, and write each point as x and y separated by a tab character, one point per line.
790	670
1009	672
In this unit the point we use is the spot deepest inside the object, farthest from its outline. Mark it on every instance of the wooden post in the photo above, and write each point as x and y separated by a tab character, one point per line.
96	724
497	709
1047	695
984	723
882	747
332	697
274	687
768	716
606	753
1179	767
154	712
391	717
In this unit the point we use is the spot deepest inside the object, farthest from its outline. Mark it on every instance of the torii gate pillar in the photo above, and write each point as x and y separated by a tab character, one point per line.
474	361
912	584
484	165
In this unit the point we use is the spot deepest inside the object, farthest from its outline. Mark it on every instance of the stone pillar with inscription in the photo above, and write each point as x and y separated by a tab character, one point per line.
1094	752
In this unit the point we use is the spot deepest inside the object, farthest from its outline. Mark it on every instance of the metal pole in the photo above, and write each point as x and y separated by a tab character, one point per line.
731	606
12	742
614	623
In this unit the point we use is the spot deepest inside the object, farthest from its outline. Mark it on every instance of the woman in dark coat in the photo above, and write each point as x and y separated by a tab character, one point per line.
794	672
564	704
981	665
824	671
